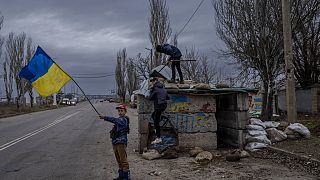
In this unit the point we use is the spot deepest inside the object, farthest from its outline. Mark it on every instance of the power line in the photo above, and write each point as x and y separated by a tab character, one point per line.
190	18
82	77
80	74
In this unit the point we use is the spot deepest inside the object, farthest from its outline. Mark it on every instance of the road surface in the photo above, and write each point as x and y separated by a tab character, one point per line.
64	143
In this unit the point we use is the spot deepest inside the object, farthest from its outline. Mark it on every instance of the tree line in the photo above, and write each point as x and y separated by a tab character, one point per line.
16	50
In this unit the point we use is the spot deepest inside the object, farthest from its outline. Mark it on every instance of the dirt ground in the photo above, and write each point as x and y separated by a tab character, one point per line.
260	165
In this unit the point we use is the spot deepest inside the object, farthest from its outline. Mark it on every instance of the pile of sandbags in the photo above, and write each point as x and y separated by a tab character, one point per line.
297	131
261	134
257	135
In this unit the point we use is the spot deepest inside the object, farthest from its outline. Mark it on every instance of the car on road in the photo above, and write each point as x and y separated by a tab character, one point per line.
65	101
111	100
73	102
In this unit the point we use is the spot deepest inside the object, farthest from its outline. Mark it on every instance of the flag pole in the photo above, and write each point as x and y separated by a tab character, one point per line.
78	87
84	95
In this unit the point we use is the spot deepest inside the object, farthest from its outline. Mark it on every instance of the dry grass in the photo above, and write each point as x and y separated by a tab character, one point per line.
11	110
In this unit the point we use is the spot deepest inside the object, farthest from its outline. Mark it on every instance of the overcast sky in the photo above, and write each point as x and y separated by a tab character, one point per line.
84	36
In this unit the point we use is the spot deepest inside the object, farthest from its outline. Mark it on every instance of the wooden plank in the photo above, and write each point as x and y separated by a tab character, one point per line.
233	119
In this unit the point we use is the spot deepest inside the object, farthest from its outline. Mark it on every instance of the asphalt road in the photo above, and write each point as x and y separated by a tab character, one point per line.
64	143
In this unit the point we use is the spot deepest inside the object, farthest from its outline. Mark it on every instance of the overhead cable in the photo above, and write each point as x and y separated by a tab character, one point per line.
190	18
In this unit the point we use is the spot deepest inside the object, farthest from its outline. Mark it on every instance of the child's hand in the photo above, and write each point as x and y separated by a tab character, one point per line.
101	117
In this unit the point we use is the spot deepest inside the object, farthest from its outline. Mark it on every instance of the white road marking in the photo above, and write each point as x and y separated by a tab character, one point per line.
57	121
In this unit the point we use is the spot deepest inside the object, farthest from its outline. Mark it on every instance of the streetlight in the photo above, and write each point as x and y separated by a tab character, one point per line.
150	55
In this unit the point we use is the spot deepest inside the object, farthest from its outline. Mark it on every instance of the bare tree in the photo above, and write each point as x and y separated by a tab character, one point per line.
28	86
19	63
252	32
191	68
207	69
8	68
15	47
132	80
142	67
159	25
121	74
306	41
8	78
1	20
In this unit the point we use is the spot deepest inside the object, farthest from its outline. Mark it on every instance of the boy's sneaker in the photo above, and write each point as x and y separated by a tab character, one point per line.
171	81
157	141
181	82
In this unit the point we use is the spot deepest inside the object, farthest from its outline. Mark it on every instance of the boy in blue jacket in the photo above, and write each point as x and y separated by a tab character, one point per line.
159	96
175	55
118	134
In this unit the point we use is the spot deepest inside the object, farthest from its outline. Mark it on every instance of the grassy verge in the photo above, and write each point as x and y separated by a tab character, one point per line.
11	110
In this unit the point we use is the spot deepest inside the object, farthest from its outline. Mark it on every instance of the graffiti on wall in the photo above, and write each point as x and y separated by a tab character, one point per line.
187	122
180	103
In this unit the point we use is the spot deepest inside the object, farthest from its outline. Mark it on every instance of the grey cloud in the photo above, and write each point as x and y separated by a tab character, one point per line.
84	36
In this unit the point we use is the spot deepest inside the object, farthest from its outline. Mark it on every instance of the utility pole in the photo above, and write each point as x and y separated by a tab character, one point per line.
290	82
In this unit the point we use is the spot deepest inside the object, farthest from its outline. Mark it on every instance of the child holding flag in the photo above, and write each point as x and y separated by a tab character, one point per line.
118	134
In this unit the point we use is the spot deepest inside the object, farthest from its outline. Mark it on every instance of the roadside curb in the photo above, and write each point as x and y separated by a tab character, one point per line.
302	157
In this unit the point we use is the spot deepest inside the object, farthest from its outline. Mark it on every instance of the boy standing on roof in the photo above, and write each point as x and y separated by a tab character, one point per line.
118	134
175	55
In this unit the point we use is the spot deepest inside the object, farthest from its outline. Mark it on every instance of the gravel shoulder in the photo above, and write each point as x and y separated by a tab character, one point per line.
264	164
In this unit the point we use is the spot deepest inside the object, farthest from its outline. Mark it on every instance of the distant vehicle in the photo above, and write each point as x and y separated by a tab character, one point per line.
111	100
65	101
73	102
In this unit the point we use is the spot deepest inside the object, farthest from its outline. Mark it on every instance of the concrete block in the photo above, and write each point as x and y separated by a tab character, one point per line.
233	119
233	102
207	141
143	123
193	103
143	141
233	137
144	105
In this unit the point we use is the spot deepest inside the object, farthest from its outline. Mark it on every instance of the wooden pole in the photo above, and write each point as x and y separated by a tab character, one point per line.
290	81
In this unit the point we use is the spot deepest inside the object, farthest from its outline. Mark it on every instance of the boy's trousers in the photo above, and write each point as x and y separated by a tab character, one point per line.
121	156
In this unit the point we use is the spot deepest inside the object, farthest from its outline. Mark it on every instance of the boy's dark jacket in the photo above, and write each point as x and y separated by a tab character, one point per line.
159	95
172	51
120	129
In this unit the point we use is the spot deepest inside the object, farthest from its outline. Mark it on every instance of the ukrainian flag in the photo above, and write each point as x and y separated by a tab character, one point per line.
44	74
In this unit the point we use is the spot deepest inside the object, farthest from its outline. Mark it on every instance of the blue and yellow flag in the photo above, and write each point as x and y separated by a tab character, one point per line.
44	74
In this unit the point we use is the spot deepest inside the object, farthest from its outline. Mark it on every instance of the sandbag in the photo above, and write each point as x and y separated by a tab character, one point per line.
301	129
261	139
271	124
254	127
171	86
255	121
202	86
276	135
256	133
